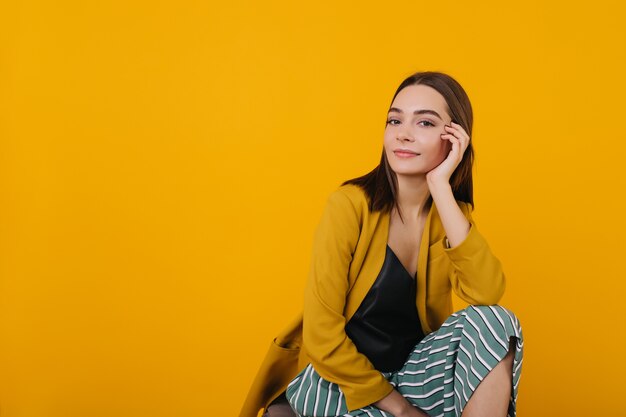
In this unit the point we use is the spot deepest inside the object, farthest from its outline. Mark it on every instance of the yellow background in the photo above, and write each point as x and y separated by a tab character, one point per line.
163	166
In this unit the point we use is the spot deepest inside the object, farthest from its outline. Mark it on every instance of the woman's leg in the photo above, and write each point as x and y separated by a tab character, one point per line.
312	396
497	334
280	408
491	397
448	365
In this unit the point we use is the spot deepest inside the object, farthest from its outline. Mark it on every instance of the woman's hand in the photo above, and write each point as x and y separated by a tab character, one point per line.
413	412
395	404
460	141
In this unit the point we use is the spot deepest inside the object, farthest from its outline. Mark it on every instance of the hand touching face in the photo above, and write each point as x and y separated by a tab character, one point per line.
459	139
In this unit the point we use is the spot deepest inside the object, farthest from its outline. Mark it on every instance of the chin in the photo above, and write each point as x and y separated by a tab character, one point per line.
409	172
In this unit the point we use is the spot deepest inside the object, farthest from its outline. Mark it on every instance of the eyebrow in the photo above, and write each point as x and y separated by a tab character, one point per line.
416	112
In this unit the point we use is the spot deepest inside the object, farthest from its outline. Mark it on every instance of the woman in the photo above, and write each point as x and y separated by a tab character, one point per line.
377	336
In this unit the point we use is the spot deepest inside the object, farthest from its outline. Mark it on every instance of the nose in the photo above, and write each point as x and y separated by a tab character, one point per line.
404	135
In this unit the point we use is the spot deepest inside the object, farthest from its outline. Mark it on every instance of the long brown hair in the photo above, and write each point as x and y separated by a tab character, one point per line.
381	184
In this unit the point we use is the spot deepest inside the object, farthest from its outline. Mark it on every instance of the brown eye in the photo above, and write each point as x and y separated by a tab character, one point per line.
425	121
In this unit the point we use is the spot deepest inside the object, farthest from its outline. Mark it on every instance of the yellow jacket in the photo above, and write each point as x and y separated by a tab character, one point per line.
348	253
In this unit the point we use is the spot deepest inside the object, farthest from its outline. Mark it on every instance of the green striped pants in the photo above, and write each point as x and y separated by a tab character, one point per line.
439	375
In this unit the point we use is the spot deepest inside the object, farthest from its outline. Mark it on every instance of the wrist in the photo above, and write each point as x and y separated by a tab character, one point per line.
439	189
395	404
404	410
437	183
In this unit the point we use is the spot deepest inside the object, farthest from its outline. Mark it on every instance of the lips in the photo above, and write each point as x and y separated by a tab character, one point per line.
405	151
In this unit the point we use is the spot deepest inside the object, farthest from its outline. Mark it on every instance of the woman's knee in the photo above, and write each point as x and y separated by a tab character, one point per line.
485	313
491	309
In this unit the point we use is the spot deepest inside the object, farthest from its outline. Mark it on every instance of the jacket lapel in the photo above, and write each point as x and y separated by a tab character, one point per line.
422	264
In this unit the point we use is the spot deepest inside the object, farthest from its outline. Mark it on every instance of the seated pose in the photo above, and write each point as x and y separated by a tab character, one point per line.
377	335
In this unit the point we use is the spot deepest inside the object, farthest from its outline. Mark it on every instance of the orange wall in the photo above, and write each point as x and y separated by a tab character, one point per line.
163	166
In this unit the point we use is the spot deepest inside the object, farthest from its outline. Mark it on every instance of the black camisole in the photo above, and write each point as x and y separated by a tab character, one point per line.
386	326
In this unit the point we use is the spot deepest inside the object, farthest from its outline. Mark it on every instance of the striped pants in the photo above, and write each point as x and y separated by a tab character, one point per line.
439	375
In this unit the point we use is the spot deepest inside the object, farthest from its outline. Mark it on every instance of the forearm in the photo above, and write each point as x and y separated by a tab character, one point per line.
395	404
476	274
452	218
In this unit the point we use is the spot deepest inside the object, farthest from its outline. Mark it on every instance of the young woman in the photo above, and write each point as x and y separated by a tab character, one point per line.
377	335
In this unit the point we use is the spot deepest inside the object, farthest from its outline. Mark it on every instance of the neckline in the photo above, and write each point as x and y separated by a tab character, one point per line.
413	277
387	216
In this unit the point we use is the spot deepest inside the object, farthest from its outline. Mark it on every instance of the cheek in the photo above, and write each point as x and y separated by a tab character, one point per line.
438	151
438	146
388	142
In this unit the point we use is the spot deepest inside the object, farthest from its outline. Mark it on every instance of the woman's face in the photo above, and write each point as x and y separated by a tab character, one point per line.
419	132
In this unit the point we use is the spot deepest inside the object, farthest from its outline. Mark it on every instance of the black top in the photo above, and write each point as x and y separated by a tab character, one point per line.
386	326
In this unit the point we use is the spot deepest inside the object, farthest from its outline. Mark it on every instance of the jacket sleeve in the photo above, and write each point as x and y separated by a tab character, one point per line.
333	354
476	274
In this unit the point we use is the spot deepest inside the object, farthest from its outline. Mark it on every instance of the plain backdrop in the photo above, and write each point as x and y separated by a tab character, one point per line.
163	166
